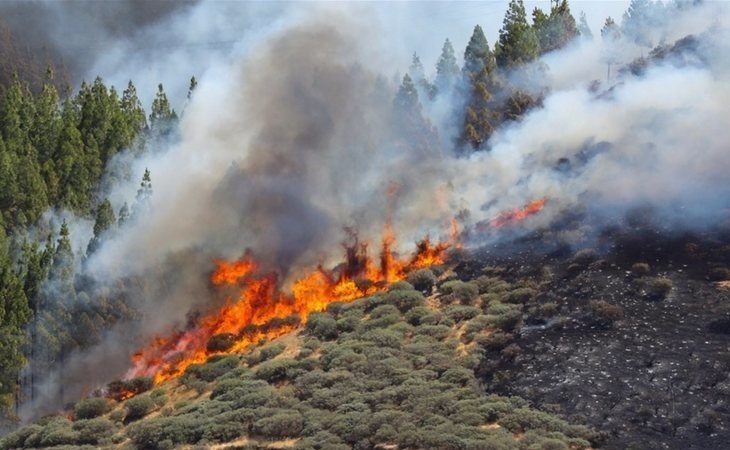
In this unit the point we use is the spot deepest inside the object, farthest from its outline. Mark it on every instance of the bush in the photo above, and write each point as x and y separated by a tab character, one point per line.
91	407
322	326
404	300
488	284
640	269
94	431
459	313
138	407
520	295
276	370
585	256
214	368
265	354
657	288
221	342
121	389
456	290
605	312
422	280
400	286
416	315
281	425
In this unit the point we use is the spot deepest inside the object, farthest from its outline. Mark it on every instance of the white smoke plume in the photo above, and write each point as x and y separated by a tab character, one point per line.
292	138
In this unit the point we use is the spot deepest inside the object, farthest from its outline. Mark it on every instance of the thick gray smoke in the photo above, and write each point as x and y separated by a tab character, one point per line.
284	145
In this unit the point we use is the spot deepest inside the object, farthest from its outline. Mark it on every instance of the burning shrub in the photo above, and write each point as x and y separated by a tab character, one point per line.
456	290
322	325
640	269
138	407
404	300
91	407
123	389
606	313
422	280
221	342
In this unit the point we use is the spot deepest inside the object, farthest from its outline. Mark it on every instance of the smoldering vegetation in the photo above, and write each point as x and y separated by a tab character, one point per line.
300	136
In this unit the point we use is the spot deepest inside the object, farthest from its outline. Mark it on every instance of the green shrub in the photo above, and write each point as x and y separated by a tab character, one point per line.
400	286
228	390
322	326
459	313
439	332
213	369
91	407
403	299
276	370
282	425
455	290
266	353
520	295
640	269
121	389
138	407
94	431
487	284
18	438
415	315
422	280
495	341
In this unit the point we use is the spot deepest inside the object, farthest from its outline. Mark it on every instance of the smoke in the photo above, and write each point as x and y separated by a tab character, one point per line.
291	136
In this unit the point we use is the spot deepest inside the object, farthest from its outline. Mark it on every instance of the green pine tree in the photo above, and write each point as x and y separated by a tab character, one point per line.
518	42
104	221
447	70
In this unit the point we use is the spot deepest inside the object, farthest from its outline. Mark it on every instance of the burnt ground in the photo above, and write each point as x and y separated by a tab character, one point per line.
657	379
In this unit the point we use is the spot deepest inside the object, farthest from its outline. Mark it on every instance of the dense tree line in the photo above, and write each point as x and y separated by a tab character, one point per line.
54	150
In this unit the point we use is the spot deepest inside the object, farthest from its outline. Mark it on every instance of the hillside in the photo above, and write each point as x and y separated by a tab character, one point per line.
390	371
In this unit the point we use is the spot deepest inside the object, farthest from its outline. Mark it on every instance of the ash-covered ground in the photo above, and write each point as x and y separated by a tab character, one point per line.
653	373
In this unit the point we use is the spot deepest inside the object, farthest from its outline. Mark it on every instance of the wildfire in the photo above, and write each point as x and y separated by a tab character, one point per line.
517	214
260	309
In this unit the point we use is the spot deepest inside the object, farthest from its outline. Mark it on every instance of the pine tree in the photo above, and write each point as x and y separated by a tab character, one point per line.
191	88
123	214
132	110
639	20
144	193
447	70
104	221
162	116
556	30
517	43
479	72
610	34
583	28
416	71
411	128
75	178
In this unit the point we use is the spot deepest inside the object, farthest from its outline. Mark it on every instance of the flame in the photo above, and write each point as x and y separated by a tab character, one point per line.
517	214
261	310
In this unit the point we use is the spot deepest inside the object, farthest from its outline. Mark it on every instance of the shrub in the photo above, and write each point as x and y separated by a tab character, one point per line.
91	407
138	407
227	390
93	431
640	269
266	353
214	368
606	313
422	280
459	313
487	284
495	341
404	300
520	295
121	389
456	290
439	332
276	370
323	326
585	256
657	288
416	315
281	425
400	286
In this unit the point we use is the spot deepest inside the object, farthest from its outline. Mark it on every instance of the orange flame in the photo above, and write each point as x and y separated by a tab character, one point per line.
261	310
518	214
